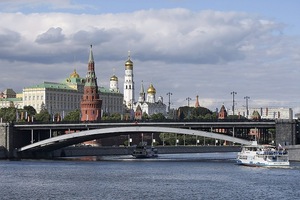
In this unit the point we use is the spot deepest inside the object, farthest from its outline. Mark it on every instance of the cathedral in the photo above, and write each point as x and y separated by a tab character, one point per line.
146	102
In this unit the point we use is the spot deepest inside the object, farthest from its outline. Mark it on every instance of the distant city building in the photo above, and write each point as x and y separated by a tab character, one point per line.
267	113
91	103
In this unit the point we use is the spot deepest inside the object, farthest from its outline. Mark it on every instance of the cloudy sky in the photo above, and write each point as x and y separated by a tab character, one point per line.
186	47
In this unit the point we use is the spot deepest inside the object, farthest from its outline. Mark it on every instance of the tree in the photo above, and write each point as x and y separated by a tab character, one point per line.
200	111
30	110
145	116
8	114
43	116
73	116
192	113
158	117
112	117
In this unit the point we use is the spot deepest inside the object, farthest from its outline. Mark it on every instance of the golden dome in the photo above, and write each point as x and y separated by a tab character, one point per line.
128	64
114	78
74	74
151	90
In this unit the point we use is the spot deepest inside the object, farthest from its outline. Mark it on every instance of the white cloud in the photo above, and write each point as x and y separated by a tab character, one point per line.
53	35
206	53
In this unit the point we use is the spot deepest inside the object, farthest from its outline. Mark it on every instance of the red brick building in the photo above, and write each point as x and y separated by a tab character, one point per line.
91	103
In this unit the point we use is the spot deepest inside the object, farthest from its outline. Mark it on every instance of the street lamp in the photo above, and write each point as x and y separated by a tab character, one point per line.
129	140
169	94
188	100
247	98
233	93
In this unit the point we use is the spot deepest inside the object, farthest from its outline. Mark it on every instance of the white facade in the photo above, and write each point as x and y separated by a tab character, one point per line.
11	102
128	84
55	97
266	113
150	106
112	99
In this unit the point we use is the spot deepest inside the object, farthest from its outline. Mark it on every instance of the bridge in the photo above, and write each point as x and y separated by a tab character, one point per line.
75	138
22	138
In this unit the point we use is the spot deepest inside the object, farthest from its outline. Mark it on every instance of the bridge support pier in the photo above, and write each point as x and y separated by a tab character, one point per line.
7	148
287	132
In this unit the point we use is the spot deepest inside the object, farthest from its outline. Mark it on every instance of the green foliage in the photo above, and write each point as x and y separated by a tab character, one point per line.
72	116
158	117
112	117
170	139
192	113
43	116
8	114
30	110
145	116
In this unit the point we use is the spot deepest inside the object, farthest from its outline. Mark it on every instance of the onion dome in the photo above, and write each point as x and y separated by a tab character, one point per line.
74	74
114	78
151	90
128	63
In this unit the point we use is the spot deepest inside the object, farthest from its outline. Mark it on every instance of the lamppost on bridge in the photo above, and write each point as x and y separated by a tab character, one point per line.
129	140
188	101
169	94
247	110
233	102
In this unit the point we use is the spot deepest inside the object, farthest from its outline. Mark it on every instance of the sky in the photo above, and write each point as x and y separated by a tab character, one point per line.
209	48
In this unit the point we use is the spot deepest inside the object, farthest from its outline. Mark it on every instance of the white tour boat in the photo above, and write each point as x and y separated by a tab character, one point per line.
263	155
144	151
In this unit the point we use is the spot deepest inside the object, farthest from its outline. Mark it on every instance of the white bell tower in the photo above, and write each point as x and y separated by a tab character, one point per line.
128	83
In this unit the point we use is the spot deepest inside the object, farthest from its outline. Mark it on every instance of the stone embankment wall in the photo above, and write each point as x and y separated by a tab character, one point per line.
294	152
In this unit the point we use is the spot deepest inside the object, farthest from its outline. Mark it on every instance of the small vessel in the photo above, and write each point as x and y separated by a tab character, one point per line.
263	155
144	151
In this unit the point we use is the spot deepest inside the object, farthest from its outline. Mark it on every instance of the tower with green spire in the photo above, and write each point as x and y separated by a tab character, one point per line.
91	103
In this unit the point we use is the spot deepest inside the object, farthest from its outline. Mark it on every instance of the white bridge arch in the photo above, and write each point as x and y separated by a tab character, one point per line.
77	137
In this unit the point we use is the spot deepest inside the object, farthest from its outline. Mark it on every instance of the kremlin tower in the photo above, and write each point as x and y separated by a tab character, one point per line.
91	103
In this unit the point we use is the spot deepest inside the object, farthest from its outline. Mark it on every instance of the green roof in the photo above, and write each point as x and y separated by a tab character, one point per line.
11	99
106	90
52	85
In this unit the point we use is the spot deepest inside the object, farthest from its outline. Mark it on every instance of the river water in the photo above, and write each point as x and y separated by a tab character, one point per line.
181	176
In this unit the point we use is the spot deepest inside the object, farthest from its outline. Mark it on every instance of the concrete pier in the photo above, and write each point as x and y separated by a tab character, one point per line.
294	152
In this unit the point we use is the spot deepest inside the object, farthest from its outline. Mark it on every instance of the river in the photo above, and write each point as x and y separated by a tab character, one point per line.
178	176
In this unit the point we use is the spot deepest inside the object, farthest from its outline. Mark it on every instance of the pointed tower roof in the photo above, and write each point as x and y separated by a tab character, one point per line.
142	91
91	57
222	113
197	102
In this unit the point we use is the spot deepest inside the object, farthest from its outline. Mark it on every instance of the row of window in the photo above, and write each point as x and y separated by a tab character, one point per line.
54	97
34	98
